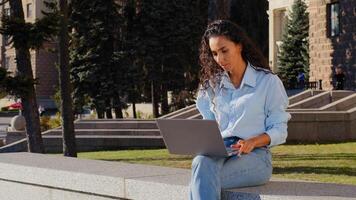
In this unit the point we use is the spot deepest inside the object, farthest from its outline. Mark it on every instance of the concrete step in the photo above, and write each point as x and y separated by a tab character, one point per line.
303	95
315	101
53	144
177	112
115	120
196	116
115	125
186	114
108	132
342	104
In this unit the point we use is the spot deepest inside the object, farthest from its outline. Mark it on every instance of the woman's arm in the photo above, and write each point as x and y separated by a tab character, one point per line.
203	104
276	119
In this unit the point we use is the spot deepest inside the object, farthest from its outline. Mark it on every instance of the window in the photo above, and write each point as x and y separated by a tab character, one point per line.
334	19
7	11
29	10
6	40
7	62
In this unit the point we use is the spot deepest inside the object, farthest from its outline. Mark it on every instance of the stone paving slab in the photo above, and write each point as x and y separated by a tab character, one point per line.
294	189
72	176
91	176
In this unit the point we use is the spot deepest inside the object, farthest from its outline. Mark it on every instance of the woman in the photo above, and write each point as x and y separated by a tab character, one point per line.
248	102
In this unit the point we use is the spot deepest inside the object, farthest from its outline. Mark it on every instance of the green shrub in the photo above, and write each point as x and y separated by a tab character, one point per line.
141	115
44	123
4	108
47	122
55	122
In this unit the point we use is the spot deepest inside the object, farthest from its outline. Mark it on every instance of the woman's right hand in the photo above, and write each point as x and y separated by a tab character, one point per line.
243	146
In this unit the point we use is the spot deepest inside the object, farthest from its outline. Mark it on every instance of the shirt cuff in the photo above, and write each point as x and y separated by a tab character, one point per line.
278	135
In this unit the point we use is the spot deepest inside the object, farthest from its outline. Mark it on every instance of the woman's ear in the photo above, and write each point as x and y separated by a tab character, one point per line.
239	47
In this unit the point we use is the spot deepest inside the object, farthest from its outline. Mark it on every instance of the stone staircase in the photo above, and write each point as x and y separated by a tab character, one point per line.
317	116
96	135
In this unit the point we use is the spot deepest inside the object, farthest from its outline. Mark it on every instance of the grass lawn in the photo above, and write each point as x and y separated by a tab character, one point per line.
333	163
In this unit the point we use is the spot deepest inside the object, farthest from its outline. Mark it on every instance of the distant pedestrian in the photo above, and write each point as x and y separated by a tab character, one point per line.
41	110
301	80
339	78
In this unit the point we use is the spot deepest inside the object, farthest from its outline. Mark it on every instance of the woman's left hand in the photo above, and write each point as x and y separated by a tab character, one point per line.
244	146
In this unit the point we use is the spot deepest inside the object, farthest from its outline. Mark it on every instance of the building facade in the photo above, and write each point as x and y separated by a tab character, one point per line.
43	60
332	38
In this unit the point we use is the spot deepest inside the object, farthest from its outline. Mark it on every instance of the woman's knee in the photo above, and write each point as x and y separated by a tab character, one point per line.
201	160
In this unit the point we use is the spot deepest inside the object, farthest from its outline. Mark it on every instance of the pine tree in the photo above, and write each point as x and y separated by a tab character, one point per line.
130	79
252	16
186	76
169	37
150	51
92	53
294	55
26	36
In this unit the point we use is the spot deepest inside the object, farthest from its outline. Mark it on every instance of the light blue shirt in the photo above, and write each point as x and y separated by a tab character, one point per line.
257	106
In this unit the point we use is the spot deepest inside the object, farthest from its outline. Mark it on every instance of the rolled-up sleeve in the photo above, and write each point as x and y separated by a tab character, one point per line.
203	105
275	109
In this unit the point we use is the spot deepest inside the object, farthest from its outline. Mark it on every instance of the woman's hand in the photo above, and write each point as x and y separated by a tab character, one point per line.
244	146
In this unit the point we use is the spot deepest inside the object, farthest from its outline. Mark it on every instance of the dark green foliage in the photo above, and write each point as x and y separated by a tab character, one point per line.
294	54
118	55
93	47
252	16
14	85
169	38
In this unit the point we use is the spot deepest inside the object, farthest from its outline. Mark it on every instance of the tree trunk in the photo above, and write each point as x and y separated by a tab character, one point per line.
100	112
29	102
134	110
3	44
69	144
154	100
108	109
100	108
165	108
118	112
117	107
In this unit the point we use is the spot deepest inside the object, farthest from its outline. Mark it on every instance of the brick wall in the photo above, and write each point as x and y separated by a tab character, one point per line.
10	53
43	67
46	71
327	52
320	46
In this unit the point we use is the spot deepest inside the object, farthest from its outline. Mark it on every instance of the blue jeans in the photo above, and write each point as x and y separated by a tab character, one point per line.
211	174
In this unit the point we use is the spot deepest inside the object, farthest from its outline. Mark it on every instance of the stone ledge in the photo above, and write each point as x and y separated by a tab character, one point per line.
40	176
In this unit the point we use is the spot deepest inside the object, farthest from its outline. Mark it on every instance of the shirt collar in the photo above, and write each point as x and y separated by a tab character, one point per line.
248	79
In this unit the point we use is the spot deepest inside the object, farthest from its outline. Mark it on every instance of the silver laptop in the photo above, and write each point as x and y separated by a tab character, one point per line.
193	137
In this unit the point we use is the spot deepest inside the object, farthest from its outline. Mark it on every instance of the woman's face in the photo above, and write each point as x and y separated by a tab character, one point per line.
225	52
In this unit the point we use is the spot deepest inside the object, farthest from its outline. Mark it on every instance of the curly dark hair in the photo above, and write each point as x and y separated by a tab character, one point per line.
250	52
